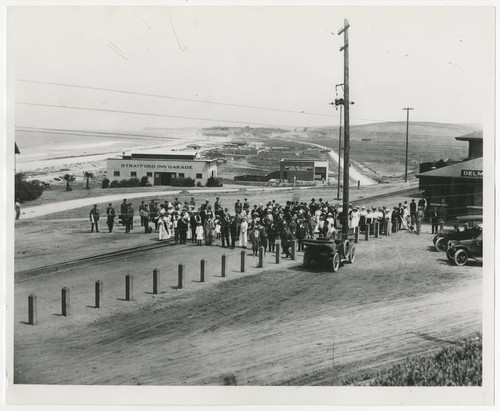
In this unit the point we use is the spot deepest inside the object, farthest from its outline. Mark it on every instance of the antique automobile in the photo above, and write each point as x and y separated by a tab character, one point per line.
331	252
471	229
461	251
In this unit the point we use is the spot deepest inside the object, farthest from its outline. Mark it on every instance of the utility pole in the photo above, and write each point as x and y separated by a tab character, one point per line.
339	102
407	125
345	205
340	149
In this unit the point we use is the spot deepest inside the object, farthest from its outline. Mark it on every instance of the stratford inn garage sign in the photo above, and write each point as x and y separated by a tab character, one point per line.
159	166
471	173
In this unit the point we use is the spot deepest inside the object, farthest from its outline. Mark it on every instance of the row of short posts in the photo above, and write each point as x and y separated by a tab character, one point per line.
129	282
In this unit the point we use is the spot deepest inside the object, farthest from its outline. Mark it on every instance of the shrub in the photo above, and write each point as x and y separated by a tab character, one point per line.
27	190
198	184
144	182
133	182
182	182
114	184
105	183
214	182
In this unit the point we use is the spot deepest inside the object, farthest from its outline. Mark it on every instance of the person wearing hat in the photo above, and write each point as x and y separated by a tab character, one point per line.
163	227
144	213
192	204
243	232
94	219
238	207
141	207
246	205
193	222
175	226
110	213
255	238
218	210
182	226
356	215
395	219
233	229
362	219
199	234
413	212
123	211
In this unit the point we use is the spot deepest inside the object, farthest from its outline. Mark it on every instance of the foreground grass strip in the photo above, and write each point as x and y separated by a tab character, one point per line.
458	365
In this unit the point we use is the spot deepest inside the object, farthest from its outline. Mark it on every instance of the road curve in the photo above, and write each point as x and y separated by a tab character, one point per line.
353	173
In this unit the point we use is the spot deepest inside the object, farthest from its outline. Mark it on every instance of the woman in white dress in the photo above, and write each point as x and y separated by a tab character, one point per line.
163	229
404	218
243	233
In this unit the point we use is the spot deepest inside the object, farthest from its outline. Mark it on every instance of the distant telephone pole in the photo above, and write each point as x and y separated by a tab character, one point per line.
345	202
407	126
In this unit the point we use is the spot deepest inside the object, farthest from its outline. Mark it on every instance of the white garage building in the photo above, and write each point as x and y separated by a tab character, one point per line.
161	168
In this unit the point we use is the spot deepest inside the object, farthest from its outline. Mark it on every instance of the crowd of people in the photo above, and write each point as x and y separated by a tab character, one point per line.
246	225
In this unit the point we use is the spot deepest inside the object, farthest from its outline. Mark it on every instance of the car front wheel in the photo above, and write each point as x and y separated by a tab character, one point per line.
352	254
442	243
461	257
335	262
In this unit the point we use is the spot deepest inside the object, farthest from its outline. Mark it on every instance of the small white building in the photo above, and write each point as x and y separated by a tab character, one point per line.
162	167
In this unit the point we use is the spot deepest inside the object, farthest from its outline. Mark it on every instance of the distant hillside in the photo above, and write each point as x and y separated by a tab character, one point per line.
420	128
396	131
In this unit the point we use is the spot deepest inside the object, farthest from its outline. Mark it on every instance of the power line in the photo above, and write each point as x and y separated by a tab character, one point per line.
190	99
152	114
174	98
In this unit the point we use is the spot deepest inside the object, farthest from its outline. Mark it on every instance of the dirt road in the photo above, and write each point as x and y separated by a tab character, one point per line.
275	326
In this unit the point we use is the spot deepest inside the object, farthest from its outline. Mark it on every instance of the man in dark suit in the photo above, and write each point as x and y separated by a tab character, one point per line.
94	219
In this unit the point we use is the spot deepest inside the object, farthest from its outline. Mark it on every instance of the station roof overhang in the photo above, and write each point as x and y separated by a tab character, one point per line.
468	170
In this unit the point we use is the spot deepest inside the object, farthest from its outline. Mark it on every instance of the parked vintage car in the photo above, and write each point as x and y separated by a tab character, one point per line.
461	251
332	252
472	227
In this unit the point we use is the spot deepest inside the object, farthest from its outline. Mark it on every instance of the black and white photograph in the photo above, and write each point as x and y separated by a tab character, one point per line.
249	204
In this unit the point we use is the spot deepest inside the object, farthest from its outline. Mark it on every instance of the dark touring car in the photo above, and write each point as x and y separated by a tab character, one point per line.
331	252
471	230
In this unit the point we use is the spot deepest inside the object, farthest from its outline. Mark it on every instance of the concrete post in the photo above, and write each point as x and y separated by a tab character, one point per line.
98	293
180	276
261	257
129	287
202	270
441	226
65	301
377	229
156	281
243	261
293	249
278	252
356	235
389	227
367	232
32	309
223	266
419	224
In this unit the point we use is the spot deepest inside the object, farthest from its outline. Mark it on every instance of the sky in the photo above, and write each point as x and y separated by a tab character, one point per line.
134	68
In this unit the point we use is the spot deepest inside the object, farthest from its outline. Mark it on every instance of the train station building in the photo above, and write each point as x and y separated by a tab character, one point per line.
162	167
303	169
457	187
